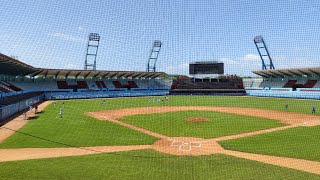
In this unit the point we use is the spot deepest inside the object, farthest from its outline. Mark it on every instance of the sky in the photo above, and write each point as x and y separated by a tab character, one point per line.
54	33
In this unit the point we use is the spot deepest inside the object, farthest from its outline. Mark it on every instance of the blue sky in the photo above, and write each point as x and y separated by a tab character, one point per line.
53	34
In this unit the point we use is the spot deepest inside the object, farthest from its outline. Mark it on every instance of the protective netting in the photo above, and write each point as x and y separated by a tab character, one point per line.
209	128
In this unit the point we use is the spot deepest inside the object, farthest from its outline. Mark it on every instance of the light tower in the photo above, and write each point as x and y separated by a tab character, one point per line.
92	52
263	53
154	54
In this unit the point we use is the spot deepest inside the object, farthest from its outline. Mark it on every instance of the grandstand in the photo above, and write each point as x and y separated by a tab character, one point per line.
223	85
288	83
22	85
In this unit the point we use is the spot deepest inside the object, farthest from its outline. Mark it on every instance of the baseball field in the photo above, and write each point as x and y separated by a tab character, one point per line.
182	137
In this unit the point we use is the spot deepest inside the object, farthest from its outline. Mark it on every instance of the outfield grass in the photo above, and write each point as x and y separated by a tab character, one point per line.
300	142
77	129
146	164
174	124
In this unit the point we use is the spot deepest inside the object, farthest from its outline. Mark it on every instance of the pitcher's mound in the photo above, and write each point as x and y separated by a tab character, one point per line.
194	119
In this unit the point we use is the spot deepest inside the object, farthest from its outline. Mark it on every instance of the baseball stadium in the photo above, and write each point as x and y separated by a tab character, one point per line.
213	120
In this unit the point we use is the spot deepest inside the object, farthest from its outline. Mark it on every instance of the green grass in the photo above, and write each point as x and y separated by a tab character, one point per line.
146	164
74	129
77	129
301	142
173	124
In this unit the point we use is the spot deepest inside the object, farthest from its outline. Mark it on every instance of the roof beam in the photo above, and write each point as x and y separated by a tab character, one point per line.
85	76
268	73
155	76
122	75
114	75
35	73
314	72
308	74
149	75
287	74
104	76
94	76
67	74
278	73
294	73
56	75
129	74
78	74
281	73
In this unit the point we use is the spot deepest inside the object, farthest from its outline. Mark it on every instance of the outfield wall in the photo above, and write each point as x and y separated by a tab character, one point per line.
7	111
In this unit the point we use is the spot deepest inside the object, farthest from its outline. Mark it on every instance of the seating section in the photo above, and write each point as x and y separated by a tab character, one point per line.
10	86
317	85
289	88
310	83
2	89
82	85
273	84
290	84
206	84
101	84
62	85
278	83
132	84
117	84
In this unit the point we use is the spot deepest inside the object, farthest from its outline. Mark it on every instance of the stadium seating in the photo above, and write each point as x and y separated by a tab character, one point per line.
62	85
2	89
221	84
101	84
290	84
301	87
11	86
82	85
310	83
117	84
132	84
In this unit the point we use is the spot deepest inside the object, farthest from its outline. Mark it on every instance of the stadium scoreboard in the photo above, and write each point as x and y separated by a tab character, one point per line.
206	67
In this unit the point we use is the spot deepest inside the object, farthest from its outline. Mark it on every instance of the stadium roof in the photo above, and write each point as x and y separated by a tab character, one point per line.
11	66
87	74
292	72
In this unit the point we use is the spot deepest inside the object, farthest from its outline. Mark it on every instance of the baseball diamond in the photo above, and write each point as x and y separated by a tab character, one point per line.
159	90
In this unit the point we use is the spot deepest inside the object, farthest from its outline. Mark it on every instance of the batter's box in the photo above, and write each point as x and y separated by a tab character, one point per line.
176	143
195	144
185	147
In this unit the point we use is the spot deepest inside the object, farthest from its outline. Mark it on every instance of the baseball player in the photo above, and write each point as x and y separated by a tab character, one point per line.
61	112
24	115
313	109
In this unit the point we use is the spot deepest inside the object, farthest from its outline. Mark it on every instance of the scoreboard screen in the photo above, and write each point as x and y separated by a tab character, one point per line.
206	68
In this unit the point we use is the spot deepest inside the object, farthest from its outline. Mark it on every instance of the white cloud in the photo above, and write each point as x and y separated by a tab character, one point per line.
178	69
68	37
228	61
251	57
